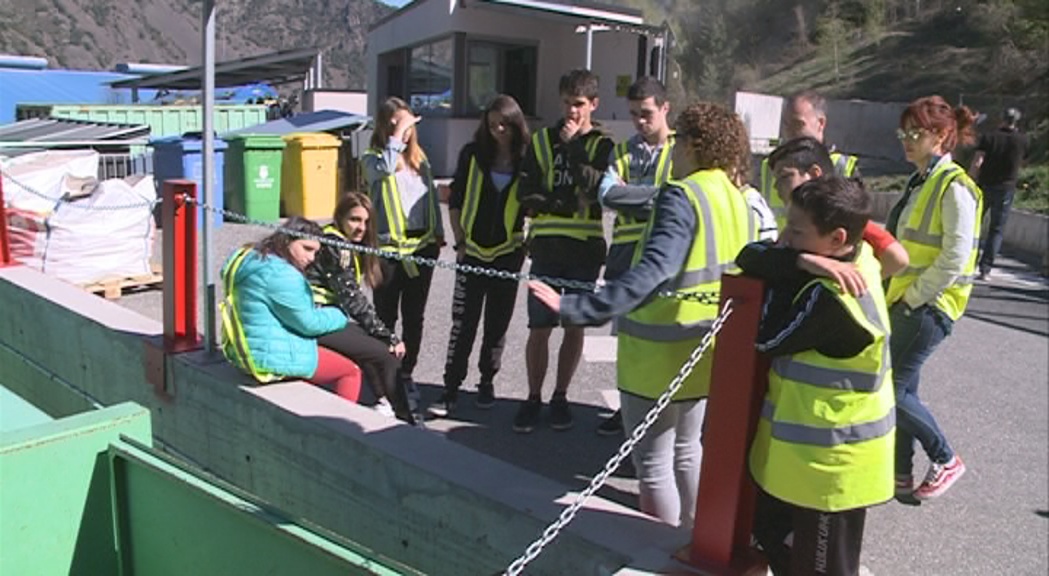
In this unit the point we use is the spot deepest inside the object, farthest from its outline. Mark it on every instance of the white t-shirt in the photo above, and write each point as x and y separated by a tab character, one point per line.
413	191
767	229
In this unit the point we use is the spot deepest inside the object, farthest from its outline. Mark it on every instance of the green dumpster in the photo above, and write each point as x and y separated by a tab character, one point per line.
252	176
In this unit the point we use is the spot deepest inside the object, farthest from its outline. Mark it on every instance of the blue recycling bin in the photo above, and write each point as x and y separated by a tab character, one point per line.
179	157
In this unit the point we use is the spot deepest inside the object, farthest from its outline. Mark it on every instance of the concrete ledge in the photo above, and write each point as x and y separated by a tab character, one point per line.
405	493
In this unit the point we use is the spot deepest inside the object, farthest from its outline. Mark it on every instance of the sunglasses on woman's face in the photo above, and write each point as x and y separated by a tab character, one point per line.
913	134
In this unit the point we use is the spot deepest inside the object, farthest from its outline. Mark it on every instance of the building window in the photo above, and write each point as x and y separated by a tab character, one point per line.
494	68
430	77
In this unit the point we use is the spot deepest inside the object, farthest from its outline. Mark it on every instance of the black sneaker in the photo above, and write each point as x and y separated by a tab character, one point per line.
528	415
485	396
560	415
612	426
444	406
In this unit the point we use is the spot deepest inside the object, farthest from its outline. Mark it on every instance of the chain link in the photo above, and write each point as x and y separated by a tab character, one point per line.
568	514
711	298
71	201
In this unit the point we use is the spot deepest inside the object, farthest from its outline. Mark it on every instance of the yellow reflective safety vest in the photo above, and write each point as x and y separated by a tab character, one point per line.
628	229
512	222
580	225
844	165
827	433
322	296
390	219
656	338
922	236
234	344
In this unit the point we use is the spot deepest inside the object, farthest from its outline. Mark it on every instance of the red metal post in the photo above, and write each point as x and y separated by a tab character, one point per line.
179	220
725	507
5	241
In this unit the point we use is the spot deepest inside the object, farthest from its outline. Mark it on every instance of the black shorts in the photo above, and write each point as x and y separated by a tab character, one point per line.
564	258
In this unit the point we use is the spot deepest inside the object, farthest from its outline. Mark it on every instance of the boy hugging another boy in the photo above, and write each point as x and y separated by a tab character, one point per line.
823	450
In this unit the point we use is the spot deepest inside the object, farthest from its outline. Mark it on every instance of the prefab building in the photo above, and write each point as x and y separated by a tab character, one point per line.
448	58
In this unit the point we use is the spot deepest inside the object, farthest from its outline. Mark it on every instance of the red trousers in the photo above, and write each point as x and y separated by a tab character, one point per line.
337	373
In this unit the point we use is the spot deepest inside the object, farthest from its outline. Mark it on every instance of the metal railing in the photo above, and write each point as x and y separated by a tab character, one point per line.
122	165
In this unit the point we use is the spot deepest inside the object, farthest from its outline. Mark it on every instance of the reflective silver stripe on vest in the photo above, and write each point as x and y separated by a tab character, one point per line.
823	377
838	378
922	235
692	278
851	434
663	332
841	165
565	224
713	269
663	164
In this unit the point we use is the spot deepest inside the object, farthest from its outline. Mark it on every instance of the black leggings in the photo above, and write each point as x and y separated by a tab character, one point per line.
409	293
379	366
473	293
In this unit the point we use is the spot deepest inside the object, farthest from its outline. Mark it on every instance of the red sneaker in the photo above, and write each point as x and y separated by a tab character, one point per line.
940	478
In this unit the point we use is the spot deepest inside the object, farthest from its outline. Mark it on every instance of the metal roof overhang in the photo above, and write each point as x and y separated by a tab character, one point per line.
65	130
275	68
579	11
320	121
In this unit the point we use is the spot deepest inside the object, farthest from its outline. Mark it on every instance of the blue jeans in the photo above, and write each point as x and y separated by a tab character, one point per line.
997	200
915	334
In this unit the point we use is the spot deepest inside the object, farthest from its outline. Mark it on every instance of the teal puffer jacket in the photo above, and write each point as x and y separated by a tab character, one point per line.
278	318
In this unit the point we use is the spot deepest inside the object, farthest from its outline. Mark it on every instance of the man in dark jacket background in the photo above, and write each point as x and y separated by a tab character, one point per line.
996	167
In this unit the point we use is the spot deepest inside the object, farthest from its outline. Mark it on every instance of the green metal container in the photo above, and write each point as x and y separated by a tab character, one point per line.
253	175
163	120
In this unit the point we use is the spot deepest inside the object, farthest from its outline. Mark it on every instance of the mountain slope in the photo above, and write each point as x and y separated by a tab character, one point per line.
97	34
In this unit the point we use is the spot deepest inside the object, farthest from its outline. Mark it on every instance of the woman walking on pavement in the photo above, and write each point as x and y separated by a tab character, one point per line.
938	222
487	222
407	221
337	277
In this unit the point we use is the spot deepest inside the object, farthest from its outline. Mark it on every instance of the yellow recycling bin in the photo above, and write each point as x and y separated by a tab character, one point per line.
309	175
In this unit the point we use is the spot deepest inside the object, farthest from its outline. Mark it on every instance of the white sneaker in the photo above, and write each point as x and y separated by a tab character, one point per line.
383	407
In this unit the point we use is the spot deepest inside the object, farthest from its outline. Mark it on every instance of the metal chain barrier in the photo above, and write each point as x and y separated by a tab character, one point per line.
702	297
70	201
551	532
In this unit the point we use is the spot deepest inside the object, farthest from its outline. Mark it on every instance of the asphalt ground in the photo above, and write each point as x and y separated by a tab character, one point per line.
988	386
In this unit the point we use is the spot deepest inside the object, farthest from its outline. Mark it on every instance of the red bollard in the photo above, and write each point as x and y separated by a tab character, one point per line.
725	506
179	219
5	241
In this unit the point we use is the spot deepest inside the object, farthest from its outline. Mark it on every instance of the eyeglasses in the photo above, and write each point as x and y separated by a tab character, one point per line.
914	134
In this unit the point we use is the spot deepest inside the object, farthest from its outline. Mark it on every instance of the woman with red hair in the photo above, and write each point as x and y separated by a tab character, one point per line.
938	222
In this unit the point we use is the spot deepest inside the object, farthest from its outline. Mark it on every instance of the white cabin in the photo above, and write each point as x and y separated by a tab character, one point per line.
448	58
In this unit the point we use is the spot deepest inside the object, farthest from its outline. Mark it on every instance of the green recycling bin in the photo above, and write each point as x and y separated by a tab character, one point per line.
252	175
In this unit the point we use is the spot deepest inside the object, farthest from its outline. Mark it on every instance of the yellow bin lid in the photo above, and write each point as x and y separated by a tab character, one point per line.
311	140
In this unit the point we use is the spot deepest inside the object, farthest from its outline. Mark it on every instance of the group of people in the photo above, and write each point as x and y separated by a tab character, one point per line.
852	312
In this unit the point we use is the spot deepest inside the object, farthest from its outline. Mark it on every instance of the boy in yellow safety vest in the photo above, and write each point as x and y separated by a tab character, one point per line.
823	450
637	168
566	239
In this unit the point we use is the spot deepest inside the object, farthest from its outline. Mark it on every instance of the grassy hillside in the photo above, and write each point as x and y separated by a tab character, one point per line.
987	54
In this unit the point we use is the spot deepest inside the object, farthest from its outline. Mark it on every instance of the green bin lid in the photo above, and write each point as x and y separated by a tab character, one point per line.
257	141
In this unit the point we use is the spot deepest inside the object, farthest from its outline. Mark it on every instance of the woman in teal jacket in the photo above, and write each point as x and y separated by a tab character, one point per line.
270	324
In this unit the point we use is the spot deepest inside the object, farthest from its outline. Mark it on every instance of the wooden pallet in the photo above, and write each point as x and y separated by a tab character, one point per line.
113	288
